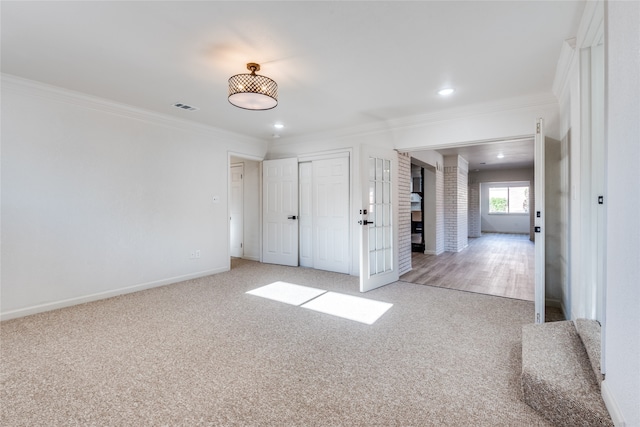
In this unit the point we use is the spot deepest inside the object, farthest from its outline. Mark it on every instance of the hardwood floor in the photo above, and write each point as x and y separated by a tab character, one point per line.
494	264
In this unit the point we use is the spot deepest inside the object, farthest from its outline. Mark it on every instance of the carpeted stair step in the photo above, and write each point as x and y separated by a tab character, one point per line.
557	378
590	335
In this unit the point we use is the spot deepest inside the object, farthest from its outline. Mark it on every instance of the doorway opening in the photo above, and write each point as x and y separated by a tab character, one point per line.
492	162
244	209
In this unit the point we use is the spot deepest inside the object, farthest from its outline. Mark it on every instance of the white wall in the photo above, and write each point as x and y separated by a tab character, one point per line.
497	223
99	199
621	389
502	175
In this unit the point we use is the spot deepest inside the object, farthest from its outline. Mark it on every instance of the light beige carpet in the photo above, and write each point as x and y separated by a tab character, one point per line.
203	352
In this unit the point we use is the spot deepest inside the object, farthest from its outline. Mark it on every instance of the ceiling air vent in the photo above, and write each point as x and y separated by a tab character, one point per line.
185	106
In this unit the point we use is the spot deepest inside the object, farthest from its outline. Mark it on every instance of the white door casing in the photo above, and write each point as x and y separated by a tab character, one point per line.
539	220
280	212
379	213
305	219
236	210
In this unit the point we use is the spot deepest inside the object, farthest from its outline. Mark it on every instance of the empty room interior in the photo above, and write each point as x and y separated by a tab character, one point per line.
320	213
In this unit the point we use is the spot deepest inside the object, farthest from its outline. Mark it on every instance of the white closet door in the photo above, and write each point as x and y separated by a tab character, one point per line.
305	220
331	214
280	212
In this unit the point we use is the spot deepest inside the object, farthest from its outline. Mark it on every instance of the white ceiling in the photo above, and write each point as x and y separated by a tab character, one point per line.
515	154
338	65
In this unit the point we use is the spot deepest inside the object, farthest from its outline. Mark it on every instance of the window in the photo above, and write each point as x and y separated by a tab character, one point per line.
509	200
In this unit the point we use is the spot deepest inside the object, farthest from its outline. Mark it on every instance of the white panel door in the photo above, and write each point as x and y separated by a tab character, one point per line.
331	214
236	214
379	213
539	171
306	214
280	212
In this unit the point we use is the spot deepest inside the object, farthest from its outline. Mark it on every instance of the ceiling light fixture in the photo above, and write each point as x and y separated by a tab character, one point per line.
446	91
278	126
253	91
501	156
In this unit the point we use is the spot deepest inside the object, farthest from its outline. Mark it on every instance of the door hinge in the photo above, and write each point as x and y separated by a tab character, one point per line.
538	128
537	317
601	200
240	244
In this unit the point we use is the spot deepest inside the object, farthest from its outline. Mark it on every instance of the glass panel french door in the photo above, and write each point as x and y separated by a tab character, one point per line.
378	252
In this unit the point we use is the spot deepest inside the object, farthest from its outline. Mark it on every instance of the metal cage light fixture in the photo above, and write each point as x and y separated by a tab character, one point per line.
253	91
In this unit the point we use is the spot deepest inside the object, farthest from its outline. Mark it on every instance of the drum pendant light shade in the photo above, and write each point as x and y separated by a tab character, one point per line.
253	91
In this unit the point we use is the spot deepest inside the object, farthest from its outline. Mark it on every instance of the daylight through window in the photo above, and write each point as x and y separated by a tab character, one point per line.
509	200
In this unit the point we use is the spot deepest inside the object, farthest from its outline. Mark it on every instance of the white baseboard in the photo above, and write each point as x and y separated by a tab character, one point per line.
430	253
251	258
21	312
612	406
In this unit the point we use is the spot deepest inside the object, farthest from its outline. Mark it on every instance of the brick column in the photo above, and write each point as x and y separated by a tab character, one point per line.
456	170
440	224
474	209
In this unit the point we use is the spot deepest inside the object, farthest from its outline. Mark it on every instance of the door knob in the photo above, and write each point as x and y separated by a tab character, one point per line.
365	222
292	217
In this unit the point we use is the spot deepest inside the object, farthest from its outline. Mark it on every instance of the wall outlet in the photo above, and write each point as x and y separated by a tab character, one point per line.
192	255
216	199
198	253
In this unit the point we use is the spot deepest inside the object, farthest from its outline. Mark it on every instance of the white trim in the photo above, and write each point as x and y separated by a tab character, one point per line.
467	143
324	155
40	308
591	28
58	94
563	69
612	406
244	156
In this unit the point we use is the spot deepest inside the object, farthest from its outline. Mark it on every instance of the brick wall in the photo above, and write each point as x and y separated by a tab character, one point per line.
404	212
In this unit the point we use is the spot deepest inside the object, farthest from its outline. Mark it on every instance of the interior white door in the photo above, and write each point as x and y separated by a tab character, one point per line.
280	212
539	171
305	220
236	211
331	214
379	217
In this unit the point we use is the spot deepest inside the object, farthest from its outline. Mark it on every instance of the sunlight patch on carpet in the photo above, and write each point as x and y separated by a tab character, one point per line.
287	292
349	307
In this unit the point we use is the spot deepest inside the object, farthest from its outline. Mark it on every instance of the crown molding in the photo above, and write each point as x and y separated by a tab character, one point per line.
591	29
563	69
58	94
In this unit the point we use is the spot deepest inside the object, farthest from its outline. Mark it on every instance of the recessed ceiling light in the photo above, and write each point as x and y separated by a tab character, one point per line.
446	91
278	126
501	156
